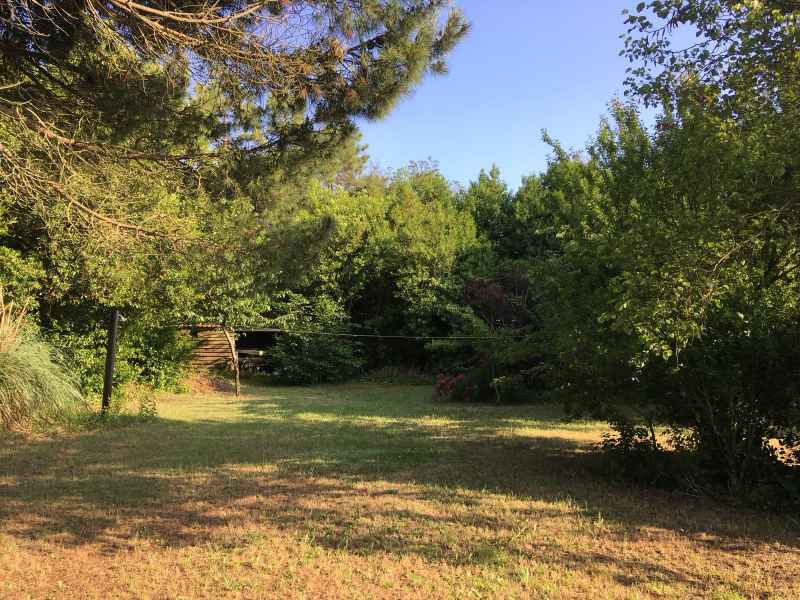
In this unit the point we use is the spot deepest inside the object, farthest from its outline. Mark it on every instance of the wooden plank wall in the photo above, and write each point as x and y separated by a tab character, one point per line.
212	350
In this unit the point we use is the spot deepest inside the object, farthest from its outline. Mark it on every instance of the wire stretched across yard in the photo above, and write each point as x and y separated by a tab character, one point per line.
380	336
419	338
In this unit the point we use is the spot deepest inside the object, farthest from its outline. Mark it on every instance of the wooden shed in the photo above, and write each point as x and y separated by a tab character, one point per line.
212	348
215	348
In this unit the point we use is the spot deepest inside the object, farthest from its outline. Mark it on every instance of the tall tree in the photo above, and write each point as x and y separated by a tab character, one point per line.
146	146
90	88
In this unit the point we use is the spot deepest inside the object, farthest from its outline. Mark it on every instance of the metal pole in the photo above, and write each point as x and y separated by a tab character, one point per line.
111	358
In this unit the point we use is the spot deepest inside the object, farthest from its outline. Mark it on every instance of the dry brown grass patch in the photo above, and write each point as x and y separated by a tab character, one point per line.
363	492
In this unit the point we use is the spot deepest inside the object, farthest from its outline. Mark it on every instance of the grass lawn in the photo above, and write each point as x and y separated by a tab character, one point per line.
362	491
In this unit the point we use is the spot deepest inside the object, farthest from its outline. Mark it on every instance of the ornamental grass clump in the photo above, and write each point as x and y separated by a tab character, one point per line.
35	390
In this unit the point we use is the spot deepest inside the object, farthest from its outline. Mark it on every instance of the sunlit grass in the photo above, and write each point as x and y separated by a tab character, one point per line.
363	492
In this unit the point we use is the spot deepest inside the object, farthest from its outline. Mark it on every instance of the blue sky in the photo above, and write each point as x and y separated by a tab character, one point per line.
527	65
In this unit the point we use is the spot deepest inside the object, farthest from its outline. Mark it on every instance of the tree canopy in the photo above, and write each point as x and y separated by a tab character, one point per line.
98	96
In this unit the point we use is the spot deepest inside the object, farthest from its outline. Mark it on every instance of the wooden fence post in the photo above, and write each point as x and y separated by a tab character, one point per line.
111	360
234	360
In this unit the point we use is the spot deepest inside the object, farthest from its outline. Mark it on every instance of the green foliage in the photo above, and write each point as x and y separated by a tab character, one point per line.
490	202
635	454
155	357
99	94
148	355
35	389
21	277
710	303
314	359
744	54
653	279
482	384
693	324
397	375
380	257
151	167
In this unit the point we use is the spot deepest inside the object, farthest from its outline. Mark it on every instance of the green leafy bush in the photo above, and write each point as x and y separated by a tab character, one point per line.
480	384
738	395
634	453
155	356
313	355
398	375
150	355
313	359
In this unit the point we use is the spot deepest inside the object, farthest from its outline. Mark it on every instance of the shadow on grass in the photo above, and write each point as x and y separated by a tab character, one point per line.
349	473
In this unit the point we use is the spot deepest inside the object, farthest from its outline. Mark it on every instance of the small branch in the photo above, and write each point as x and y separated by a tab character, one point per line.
103	218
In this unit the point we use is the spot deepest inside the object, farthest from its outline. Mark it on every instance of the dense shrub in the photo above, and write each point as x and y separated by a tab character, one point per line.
742	392
149	355
446	384
480	385
675	461
314	354
730	401
155	356
35	389
313	359
398	375
477	385
693	326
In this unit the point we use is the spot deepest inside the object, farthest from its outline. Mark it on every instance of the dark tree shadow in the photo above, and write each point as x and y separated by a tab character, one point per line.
166	480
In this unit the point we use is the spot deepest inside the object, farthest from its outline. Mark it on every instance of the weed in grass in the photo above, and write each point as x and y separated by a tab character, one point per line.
725	594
